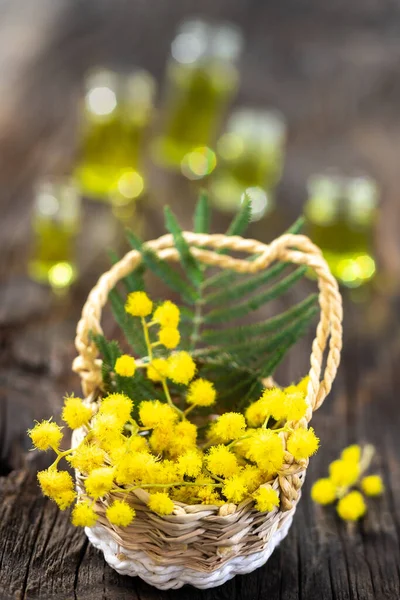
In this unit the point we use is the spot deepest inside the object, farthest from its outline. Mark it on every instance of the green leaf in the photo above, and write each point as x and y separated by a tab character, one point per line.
188	261
110	351
277	357
243	333
235	292
130	326
242	219
297	226
254	352
222	315
201	221
163	270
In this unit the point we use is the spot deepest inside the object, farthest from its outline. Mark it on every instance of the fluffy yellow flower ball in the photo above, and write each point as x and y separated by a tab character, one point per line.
295	406
118	406
372	485
106	428
323	491
99	482
275	399
190	463
138	304
181	367
257	412
154	412
120	513
252	477
65	499
352	453
55	483
83	515
125	366
221	462
266	498
344	472
157	369
169	337
302	386
265	449
134	467
161	503
183	438
235	489
302	443
167	315
227	427
86	457
351	507
75	413
46	435
201	392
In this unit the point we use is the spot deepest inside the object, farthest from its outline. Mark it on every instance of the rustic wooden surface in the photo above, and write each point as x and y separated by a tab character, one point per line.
333	70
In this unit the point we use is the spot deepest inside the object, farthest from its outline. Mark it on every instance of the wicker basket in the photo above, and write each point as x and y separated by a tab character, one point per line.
207	545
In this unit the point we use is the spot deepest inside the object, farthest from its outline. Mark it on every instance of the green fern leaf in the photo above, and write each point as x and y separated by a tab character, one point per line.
131	329
241	334
297	226
222	315
201	221
235	292
109	350
163	270
242	219
255	351
188	261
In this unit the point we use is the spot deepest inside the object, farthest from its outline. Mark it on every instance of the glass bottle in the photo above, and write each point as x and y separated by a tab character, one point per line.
341	213
202	78
250	157
55	223
118	110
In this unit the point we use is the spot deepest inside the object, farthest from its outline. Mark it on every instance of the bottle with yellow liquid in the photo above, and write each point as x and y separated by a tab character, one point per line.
341	213
250	160
118	110
55	223
202	78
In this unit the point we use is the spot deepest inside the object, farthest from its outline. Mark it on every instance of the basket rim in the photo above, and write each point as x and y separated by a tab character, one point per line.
294	248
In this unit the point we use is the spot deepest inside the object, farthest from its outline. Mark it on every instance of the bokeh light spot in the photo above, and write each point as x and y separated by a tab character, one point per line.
130	185
199	163
61	275
261	203
101	101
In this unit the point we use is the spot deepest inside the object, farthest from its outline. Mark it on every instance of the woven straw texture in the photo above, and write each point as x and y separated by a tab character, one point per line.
206	545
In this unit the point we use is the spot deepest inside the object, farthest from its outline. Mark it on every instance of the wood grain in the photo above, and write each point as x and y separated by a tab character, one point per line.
333	70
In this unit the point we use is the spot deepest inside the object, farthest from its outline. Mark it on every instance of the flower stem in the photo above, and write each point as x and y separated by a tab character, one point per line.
168	397
147	338
188	410
163	485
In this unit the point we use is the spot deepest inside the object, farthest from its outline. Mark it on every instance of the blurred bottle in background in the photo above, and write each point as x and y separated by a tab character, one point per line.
202	77
118	110
56	223
250	160
341	214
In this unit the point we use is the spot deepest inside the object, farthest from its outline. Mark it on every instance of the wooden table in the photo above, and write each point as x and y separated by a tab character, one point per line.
335	91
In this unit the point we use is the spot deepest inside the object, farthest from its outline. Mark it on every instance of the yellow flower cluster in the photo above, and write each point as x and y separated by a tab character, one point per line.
345	473
152	444
167	316
288	404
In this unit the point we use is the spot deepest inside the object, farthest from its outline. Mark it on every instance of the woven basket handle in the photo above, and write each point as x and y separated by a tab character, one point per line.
297	249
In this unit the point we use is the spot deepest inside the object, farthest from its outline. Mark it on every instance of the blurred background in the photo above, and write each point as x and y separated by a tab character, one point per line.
110	110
